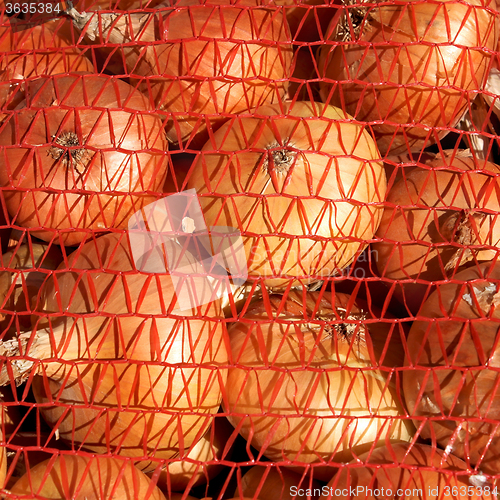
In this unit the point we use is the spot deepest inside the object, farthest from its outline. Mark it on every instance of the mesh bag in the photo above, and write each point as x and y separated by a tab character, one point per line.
249	249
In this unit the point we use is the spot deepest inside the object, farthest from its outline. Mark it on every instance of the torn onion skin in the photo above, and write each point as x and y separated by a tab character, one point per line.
425	472
454	354
412	65
308	355
439	218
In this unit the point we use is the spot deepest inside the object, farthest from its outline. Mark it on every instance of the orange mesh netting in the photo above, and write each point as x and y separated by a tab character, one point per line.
249	249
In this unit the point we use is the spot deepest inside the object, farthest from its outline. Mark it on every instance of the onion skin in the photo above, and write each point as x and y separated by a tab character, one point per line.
271	174
438	218
413	63
117	373
78	191
417	468
81	478
454	354
268	404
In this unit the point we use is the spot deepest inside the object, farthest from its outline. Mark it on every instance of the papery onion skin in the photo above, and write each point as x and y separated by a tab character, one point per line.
417	472
83	478
215	60
289	379
118	372
438	217
413	67
81	156
323	204
454	355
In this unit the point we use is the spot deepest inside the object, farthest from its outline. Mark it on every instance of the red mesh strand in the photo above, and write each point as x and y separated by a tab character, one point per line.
358	359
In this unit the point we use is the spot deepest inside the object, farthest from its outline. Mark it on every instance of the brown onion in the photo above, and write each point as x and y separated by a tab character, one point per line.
199	464
116	370
26	266
309	384
416	472
451	388
82	154
275	483
413	65
302	184
30	51
215	59
437	218
83	478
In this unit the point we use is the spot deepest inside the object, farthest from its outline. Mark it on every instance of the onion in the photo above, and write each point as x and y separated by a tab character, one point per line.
419	471
119	370
451	390
199	464
82	155
214	60
274	483
26	268
30	51
301	183
411	68
301	360
438	218
81	478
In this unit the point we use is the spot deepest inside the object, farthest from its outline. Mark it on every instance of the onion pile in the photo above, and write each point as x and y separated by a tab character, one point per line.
310	384
300	125
451	390
410	68
302	184
118	371
438	218
80	156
